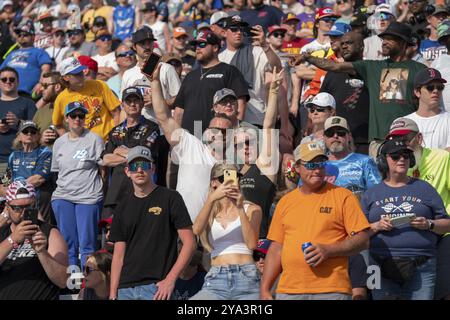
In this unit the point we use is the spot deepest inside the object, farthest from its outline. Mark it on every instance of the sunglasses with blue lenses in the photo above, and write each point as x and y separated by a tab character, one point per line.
201	45
314	165
329	19
125	54
104	38
144	165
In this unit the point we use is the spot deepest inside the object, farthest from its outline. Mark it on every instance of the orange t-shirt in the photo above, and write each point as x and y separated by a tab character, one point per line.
327	217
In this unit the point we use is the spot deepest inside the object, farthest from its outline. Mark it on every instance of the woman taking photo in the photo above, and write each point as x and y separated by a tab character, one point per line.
406	217
31	162
77	200
228	228
97	276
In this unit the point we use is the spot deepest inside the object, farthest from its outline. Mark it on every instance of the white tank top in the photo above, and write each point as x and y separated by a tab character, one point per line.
230	239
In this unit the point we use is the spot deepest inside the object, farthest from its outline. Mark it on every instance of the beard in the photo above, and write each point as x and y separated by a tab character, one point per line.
337	147
417	156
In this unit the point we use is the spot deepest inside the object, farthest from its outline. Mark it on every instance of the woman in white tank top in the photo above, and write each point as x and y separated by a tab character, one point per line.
228	228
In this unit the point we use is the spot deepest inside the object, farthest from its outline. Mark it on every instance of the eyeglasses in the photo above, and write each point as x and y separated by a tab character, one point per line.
318	109
88	270
10	79
396	156
432	87
20	208
235	29
46	85
104	38
329	19
201	45
331	132
80	116
144	165
74	33
314	165
29	131
278	34
125	54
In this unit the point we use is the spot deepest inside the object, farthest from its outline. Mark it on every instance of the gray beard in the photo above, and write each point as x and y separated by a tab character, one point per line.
337	148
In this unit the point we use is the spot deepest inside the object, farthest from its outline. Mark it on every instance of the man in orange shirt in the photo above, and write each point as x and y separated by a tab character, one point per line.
330	218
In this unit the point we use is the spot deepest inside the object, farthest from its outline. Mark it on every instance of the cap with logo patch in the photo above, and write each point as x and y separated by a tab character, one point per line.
322	99
179	32
325	12
222	93
71	66
217	16
99	20
139	152
207	36
394	146
27	124
132	91
308	151
76	105
142	34
339	29
332	122
20	189
235	21
263	245
25	26
427	75
402	126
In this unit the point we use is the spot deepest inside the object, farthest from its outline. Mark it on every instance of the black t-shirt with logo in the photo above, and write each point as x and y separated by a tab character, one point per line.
198	88
22	276
149	227
352	102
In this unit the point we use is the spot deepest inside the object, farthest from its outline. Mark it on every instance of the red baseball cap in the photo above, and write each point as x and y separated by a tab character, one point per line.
88	62
325	12
274	28
104	222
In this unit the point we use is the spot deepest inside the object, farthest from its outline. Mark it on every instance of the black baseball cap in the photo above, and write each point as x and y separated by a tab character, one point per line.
427	75
206	36
99	20
399	30
235	21
142	34
394	146
132	91
148	6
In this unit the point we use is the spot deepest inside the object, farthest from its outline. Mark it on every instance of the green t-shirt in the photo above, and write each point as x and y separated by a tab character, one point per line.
43	117
434	168
390	86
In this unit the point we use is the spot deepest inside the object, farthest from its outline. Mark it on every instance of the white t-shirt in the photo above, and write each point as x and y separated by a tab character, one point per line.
158	33
315	46
256	106
435	130
195	163
107	61
74	18
372	48
442	63
57	54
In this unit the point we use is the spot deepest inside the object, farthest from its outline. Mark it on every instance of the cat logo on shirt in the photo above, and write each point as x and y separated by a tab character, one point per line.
326	210
155	210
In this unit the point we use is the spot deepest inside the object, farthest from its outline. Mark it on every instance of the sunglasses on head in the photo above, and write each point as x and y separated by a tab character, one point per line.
278	34
125	54
314	165
201	45
318	109
20	208
432	87
331	132
144	165
329	19
88	270
10	79
396	155
81	116
29	130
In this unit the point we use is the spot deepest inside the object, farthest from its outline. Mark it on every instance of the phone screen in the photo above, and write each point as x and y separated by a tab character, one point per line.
151	64
31	214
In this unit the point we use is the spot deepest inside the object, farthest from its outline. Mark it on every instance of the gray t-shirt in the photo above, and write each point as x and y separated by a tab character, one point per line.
77	163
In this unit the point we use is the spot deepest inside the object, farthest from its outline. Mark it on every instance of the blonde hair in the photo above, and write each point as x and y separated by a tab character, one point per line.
17	144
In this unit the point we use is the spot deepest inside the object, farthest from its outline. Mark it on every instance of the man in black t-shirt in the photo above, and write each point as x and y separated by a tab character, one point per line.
145	230
134	131
195	98
350	93
33	254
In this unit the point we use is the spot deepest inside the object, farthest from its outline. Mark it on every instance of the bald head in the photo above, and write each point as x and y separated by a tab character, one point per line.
352	46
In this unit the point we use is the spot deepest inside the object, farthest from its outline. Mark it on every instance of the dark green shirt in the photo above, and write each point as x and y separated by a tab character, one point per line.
390	86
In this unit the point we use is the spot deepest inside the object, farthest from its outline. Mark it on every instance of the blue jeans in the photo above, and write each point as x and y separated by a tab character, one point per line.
144	292
419	287
78	224
231	282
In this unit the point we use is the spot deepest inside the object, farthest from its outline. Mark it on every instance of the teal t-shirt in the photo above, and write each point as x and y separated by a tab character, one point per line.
390	86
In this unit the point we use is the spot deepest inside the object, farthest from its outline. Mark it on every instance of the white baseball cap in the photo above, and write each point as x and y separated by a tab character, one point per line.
71	66
384	8
322	99
217	16
5	3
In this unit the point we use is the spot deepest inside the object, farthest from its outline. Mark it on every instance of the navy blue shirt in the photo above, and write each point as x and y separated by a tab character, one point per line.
264	16
24	109
26	164
417	197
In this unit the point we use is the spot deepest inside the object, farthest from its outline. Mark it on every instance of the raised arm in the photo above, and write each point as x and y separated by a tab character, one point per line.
260	40
171	128
326	64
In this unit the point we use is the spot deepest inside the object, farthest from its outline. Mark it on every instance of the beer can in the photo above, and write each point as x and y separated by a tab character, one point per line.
306	245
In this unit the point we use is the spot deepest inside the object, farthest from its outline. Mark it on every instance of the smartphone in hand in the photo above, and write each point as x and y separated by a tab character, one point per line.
150	65
230	175
31	214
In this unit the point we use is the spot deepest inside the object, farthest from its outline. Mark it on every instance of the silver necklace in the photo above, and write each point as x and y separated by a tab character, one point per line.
202	75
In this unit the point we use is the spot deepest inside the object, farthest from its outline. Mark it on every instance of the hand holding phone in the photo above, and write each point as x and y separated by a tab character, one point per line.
31	214
230	175
150	65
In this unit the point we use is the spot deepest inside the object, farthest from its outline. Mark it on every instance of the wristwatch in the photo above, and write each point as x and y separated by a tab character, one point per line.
430	224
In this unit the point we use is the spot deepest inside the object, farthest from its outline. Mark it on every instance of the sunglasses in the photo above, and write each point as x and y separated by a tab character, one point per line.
432	87
10	79
339	132
341	1
396	156
278	34
412	1
23	34
318	109
80	116
88	270
201	45
244	143
258	255
329	19
104	38
144	165
20	208
125	54
74	33
235	29
314	165
46	85
28	131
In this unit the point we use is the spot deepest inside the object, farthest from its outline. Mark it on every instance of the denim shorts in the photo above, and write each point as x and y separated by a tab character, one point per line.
231	282
144	292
